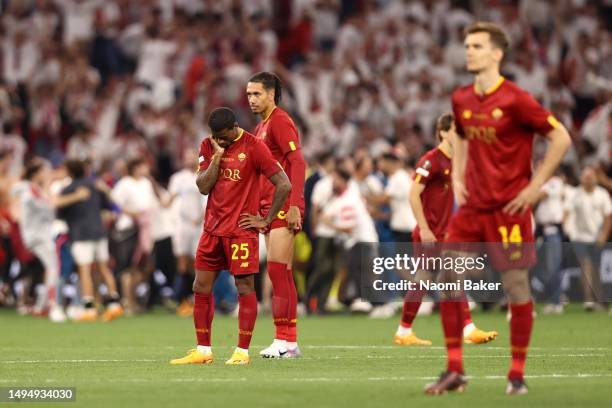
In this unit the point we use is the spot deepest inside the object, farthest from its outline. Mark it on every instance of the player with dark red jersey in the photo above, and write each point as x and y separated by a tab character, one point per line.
495	189
281	136
231	164
431	199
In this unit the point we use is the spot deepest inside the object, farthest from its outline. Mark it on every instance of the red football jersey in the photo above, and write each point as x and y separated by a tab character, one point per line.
237	189
499	126
434	172
281	137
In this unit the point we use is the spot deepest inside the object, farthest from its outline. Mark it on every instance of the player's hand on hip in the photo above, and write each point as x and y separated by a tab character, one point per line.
523	201
427	236
251	221
294	218
461	193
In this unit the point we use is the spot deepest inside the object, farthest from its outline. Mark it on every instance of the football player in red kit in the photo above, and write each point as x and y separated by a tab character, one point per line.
231	164
280	134
495	190
431	199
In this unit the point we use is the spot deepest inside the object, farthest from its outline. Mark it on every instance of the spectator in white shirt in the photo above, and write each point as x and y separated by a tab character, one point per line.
549	220
396	195
328	254
348	216
189	206
592	209
135	196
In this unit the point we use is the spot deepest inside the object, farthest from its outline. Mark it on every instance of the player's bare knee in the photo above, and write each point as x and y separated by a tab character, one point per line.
200	286
245	285
516	286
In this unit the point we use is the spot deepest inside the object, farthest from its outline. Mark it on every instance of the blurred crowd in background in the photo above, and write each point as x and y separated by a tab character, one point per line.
124	88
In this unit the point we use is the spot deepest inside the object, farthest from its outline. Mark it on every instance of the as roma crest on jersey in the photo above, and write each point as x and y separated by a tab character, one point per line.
241	156
497	114
467	114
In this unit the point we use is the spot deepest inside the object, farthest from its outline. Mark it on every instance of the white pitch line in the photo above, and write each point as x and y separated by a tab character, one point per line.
320	379
318	347
77	361
494	356
408	357
479	347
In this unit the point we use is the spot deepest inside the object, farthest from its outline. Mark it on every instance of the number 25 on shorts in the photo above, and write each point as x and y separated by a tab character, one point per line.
515	235
243	248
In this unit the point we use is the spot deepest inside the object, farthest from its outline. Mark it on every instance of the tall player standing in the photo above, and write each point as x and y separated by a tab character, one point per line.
431	199
495	189
231	164
281	136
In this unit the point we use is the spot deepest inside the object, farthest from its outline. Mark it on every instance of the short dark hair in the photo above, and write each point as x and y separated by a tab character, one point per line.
444	123
343	173
132	164
221	119
390	156
499	38
269	80
33	167
325	156
76	168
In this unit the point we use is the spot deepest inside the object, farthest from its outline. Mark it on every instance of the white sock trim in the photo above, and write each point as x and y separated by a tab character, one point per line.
204	349
244	351
403	331
468	328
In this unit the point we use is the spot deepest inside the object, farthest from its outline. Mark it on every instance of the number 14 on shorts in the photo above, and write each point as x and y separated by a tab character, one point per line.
515	236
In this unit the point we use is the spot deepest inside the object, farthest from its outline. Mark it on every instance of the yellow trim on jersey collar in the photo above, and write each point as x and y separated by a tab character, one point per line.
240	135
492	89
444	153
270	114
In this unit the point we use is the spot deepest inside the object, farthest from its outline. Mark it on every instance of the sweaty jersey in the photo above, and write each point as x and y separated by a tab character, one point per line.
281	136
237	189
434	172
499	127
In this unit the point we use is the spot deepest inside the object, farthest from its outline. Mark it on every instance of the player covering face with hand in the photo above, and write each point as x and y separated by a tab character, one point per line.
231	163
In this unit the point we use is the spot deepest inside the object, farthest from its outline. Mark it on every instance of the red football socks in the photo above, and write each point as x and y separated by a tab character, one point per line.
465	309
450	312
412	302
292	308
247	315
280	298
521	324
203	313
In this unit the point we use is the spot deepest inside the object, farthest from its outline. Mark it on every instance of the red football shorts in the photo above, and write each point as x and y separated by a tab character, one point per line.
509	239
280	221
238	255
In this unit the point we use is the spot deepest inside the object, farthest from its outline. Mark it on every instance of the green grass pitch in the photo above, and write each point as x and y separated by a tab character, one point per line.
348	362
